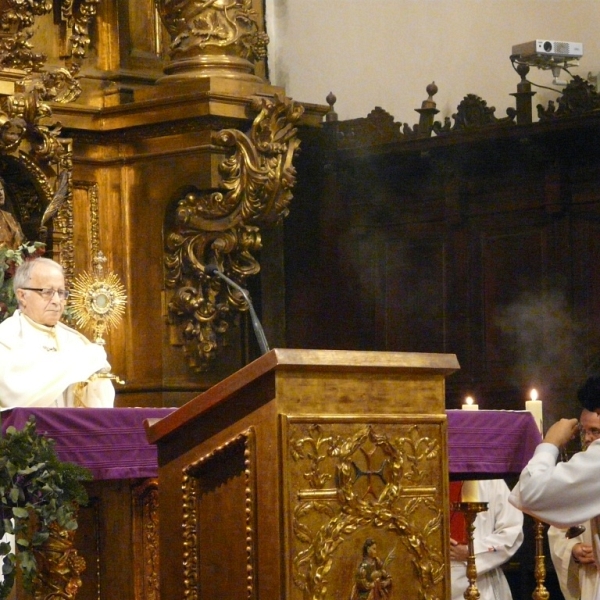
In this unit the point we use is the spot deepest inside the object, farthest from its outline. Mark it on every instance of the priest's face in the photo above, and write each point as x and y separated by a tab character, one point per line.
589	428
39	309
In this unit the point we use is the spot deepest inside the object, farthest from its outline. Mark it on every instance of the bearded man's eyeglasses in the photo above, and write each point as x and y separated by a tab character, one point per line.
48	293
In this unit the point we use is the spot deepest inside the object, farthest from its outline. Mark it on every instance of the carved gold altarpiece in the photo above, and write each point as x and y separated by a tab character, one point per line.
304	467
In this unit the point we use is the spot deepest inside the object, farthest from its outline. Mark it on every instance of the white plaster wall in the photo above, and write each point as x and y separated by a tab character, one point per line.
385	52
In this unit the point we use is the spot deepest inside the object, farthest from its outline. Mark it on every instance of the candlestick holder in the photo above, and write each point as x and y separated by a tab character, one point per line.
470	510
540	592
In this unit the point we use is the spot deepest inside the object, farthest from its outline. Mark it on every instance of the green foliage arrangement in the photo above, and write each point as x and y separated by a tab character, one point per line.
36	490
10	259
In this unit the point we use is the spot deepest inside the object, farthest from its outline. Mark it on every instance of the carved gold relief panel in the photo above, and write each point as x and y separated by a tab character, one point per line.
365	505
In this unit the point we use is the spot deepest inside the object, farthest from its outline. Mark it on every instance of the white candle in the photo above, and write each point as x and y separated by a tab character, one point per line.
534	406
470	404
469	491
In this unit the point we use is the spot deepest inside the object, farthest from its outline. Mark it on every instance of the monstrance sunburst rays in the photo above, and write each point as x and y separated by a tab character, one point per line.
98	300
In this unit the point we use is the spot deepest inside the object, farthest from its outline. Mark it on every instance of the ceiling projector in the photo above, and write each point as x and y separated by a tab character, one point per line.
548	49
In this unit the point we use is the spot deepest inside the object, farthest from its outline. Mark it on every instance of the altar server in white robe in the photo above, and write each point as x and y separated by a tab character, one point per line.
42	361
565	494
498	535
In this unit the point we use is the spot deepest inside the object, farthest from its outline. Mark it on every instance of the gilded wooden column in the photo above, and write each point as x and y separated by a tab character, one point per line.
212	38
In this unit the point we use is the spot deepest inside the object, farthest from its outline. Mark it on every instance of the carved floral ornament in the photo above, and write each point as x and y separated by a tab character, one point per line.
223	227
35	161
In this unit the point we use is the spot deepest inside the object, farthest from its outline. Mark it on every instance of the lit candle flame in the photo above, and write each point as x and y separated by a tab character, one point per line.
469	400
533	394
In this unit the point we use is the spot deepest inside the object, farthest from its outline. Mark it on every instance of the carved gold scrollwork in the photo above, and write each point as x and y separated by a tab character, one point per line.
77	17
222	227
17	25
376	485
16	20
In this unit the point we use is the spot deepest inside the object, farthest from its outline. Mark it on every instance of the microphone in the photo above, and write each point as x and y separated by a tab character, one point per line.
258	330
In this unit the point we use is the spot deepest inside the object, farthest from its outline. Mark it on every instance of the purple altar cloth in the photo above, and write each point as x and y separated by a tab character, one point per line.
484	444
112	442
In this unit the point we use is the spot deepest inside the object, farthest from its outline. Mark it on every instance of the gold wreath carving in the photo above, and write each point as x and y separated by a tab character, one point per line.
392	510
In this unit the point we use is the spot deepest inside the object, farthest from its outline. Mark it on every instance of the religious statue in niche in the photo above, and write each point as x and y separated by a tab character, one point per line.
372	581
11	234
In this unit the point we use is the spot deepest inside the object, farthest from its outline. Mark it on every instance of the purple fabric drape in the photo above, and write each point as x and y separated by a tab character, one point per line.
112	443
490	443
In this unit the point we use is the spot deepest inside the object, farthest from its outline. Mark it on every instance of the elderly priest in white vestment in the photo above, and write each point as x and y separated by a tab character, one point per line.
42	361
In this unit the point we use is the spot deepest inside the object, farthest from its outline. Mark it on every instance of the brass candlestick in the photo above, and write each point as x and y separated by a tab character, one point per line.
540	592
470	510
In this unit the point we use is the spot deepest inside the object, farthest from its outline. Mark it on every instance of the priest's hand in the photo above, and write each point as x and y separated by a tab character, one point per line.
458	551
561	432
583	553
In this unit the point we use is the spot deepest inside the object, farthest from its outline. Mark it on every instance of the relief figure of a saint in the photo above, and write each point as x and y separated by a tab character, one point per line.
371	580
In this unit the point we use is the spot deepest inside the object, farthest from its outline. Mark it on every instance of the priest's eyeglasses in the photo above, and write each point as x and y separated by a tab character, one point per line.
592	432
48	293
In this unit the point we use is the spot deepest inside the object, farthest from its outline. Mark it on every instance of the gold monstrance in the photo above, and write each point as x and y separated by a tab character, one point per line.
98	301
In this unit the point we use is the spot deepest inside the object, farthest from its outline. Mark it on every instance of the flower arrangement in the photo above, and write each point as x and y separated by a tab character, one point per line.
38	492
10	259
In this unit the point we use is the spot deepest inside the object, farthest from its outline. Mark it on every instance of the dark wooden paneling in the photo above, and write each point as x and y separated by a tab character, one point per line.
486	246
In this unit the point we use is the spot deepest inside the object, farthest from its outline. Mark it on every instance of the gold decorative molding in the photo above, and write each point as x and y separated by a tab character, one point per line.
145	534
76	18
210	37
354	480
222	227
193	487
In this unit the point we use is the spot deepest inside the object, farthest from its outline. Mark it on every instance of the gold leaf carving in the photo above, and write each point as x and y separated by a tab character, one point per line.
375	477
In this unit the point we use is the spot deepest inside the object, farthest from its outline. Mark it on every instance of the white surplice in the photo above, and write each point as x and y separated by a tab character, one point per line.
50	366
498	535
